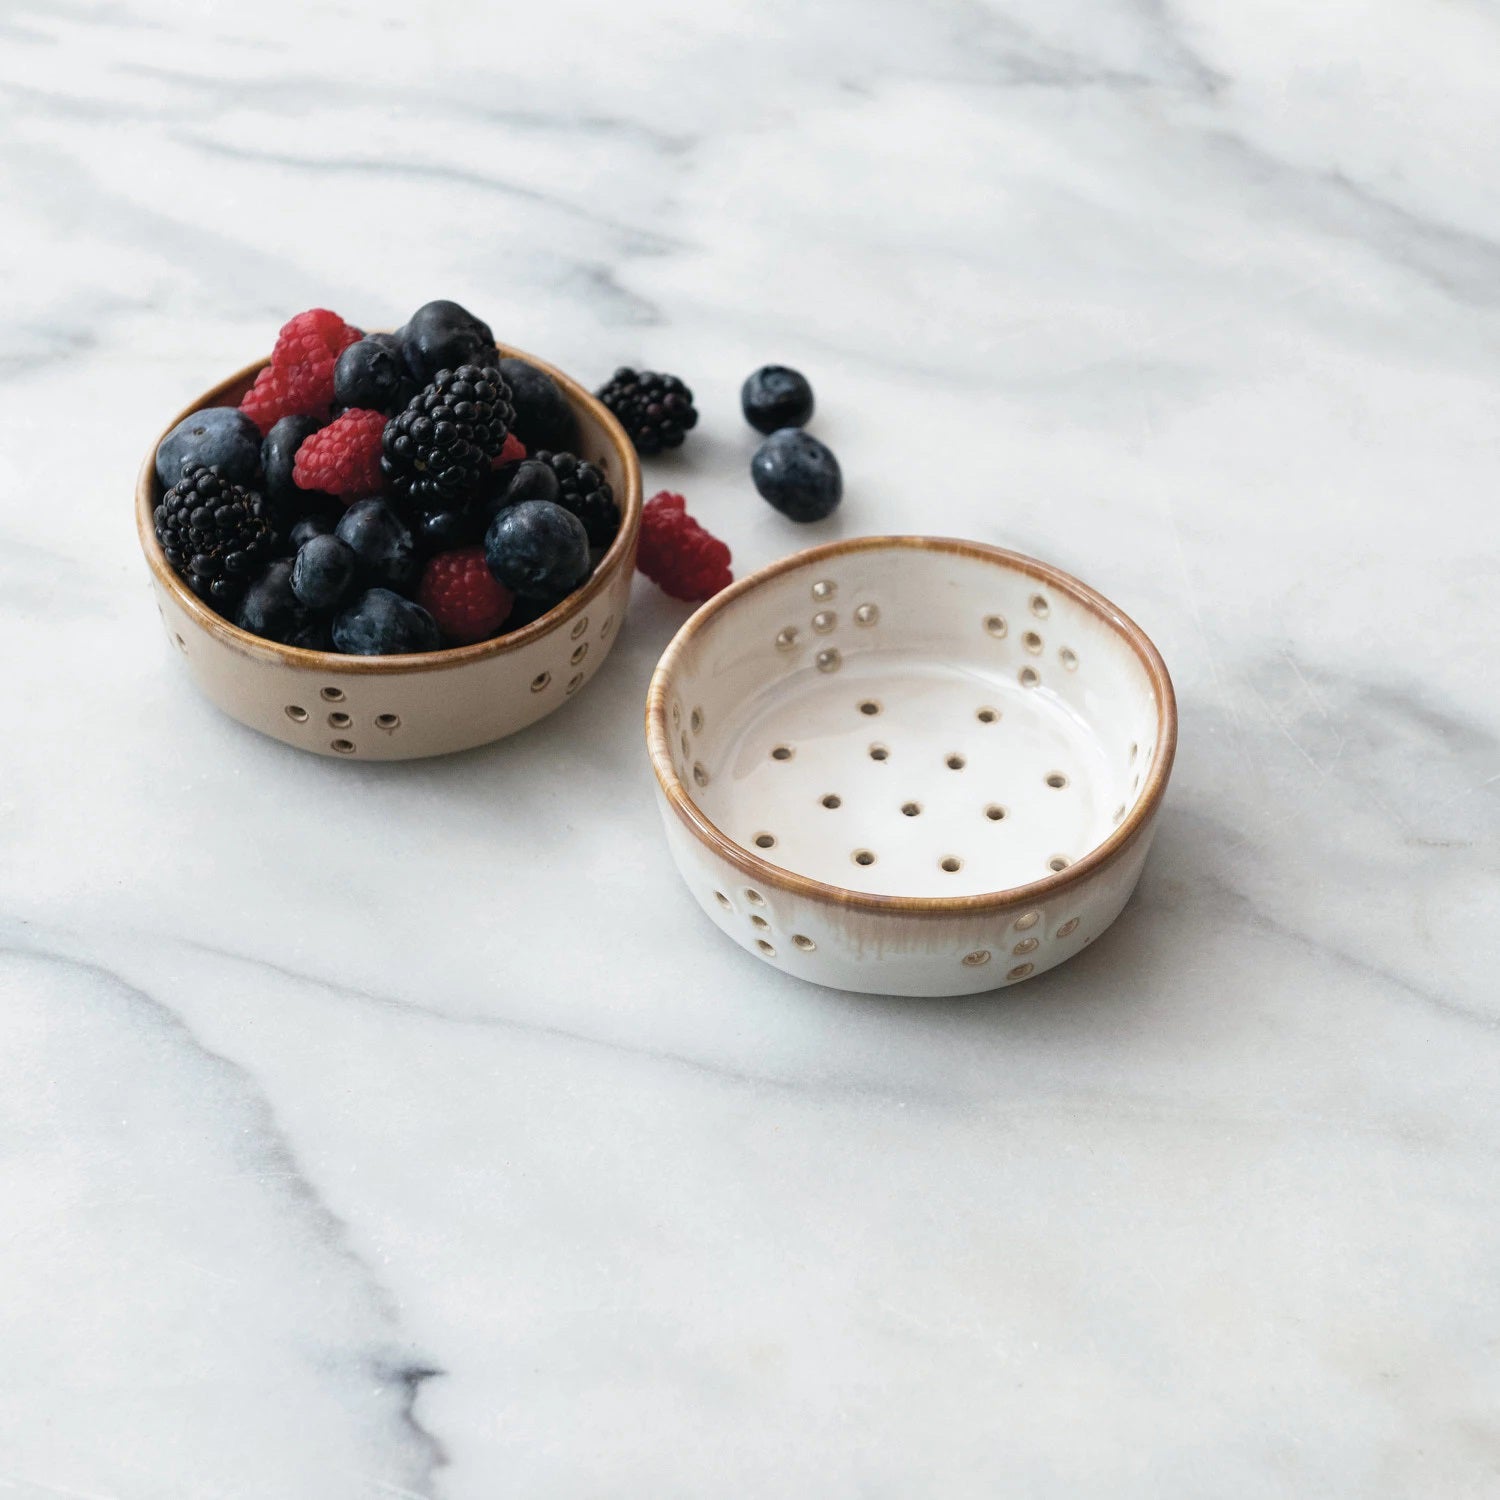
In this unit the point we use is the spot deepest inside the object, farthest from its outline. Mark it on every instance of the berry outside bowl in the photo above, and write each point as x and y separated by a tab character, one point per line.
404	707
911	765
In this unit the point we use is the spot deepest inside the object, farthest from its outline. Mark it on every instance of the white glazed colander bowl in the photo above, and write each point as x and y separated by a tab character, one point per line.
911	765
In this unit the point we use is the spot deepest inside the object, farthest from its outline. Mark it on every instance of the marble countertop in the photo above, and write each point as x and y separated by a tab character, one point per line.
407	1131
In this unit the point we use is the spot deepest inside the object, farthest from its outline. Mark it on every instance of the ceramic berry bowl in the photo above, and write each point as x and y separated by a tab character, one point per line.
403	707
909	765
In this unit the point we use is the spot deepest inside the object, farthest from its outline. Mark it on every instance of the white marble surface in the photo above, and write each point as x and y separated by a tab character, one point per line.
406	1131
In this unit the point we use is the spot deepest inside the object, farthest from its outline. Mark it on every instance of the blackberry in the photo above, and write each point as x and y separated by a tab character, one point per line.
583	489
655	410
441	447
216	534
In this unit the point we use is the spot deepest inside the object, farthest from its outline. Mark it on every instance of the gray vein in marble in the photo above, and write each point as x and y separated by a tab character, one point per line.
616	303
822	1084
635	240
1202	884
219	264
106	13
1456	261
274	1161
1167	28
1059	1101
460	104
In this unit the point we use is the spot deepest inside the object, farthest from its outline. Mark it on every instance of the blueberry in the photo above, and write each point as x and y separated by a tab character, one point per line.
381	542
391	341
443	336
543	417
525	609
373	377
323	572
775	397
278	453
446	530
306	529
222	437
380	623
798	475
530	479
537	549
272	610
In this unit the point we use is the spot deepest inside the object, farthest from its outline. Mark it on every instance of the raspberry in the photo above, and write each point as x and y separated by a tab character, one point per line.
677	554
315	337
342	458
463	596
268	400
299	380
512	453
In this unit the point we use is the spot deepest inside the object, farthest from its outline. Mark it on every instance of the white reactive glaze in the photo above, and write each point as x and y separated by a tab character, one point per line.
911	718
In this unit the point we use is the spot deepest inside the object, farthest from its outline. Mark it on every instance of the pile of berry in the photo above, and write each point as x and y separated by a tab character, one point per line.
395	492
388	493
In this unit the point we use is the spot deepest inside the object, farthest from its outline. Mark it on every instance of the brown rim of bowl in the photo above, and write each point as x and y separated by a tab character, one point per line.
762	872
621	550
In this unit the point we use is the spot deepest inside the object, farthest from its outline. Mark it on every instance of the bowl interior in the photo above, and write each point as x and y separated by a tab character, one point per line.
600	440
914	719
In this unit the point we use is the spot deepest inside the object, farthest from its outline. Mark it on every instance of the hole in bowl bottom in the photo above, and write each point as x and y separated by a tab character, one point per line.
934	833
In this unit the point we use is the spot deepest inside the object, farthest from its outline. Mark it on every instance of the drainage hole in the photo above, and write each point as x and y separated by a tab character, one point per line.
833	800
951	863
765	840
911	809
863	857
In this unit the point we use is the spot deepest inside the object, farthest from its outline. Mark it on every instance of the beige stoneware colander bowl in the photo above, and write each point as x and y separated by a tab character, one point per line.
402	707
911	765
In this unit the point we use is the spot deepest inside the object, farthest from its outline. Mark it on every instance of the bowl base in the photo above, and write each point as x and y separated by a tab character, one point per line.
898	775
